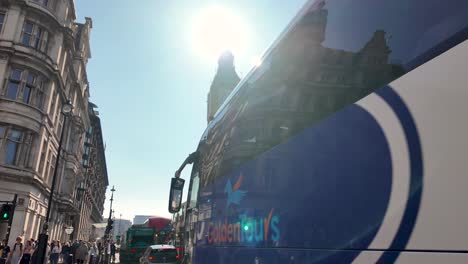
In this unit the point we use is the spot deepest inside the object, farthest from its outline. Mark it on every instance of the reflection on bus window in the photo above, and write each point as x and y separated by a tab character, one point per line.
335	55
305	83
177	194
194	190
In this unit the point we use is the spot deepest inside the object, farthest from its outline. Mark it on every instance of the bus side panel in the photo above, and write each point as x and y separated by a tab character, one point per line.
311	256
436	96
385	173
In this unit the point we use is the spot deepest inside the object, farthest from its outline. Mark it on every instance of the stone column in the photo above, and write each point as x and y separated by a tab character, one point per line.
33	219
14	23
27	220
3	70
56	48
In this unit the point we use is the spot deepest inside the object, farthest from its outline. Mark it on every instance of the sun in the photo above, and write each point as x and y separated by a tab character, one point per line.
217	29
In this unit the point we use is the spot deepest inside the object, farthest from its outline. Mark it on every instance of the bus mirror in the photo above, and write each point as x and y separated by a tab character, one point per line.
175	195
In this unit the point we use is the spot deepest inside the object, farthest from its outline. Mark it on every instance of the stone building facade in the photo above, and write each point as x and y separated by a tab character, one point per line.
43	58
91	192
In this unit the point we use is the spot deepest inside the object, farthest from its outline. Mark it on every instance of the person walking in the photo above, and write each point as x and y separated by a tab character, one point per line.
93	252
81	253
100	251
66	256
17	252
55	250
27	253
4	251
73	249
33	242
112	251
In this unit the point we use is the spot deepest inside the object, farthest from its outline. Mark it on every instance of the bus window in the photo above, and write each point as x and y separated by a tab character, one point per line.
194	190
336	54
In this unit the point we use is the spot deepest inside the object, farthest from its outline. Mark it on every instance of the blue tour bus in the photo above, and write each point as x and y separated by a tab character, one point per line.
348	144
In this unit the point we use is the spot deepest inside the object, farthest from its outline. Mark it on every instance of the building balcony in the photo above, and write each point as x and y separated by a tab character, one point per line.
13	175
18	50
47	11
20	114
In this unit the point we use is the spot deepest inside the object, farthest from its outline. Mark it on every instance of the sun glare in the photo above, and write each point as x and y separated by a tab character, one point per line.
256	61
217	29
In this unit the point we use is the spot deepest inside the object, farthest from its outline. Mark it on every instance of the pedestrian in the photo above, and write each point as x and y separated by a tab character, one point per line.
47	251
81	253
93	252
17	252
73	249
27	253
66	256
100	251
4	251
34	257
112	251
34	244
55	252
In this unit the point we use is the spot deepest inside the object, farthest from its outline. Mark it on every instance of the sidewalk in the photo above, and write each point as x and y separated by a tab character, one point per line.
117	261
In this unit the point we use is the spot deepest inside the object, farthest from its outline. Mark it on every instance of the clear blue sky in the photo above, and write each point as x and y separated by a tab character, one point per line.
151	86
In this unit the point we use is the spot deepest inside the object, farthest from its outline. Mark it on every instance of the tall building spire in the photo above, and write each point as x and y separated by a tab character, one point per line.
223	83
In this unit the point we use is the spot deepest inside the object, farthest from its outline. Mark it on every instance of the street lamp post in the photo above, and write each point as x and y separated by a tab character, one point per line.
108	227
109	220
67	109
120	221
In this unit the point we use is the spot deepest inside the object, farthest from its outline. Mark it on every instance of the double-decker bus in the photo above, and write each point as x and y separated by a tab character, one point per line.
155	230
348	144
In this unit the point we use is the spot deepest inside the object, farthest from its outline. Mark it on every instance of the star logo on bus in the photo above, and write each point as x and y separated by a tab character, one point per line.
234	194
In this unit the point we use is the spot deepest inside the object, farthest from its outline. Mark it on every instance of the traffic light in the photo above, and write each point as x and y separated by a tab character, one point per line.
6	212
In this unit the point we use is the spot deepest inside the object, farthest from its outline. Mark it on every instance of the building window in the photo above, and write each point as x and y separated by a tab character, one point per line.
53	106
47	169
57	115
13	84
2	135
61	120
34	36
13	143
2	21
29	86
11	140
27	33
46	3
43	157
26	87
52	170
39	88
